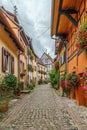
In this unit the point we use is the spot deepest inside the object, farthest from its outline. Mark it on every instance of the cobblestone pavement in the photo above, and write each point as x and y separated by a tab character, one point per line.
43	109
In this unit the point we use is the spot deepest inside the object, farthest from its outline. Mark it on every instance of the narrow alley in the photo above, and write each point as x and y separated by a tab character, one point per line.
43	109
43	64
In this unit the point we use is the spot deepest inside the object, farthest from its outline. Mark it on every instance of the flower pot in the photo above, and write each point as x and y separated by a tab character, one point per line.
76	95
72	93
18	93
4	107
80	92
85	97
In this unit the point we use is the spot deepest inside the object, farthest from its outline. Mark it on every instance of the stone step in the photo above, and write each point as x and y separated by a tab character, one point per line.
25	91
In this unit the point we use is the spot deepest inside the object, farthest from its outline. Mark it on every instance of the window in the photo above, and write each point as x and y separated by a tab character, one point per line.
43	60
7	62
62	58
21	66
46	60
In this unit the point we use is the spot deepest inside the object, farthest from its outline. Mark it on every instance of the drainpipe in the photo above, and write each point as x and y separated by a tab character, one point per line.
18	65
19	53
21	29
66	46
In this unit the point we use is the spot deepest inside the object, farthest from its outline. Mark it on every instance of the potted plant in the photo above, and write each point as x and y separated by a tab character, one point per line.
3	105
73	82
18	89
63	84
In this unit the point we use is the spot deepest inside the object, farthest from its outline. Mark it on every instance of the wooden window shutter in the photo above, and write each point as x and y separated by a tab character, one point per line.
3	60
12	64
65	56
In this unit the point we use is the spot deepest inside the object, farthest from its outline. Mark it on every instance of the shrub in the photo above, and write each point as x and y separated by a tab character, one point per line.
54	78
52	75
11	81
56	87
1	79
3	90
30	86
40	81
45	81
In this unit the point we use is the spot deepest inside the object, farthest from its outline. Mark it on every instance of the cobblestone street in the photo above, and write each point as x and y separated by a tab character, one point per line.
43	109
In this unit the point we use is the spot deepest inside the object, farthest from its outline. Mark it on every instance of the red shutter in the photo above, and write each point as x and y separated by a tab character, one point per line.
12	64
3	60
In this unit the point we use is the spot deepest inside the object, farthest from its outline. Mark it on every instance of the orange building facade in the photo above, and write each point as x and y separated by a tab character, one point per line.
67	17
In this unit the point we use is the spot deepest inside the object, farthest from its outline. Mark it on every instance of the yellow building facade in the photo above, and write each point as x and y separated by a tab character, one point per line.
7	45
62	61
12	47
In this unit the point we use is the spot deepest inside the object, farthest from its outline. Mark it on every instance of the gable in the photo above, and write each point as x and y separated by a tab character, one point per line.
44	57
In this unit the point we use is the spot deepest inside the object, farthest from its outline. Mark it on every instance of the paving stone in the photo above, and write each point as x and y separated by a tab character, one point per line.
43	109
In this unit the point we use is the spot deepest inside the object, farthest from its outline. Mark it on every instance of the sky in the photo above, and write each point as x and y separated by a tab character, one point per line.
35	18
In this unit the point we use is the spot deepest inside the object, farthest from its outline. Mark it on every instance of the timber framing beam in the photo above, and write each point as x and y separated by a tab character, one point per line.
69	11
58	18
67	14
63	35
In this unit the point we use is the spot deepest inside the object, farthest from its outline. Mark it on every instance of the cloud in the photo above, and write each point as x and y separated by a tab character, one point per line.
35	17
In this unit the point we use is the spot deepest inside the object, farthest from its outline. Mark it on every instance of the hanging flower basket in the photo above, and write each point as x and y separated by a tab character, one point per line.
29	52
81	39
22	74
30	68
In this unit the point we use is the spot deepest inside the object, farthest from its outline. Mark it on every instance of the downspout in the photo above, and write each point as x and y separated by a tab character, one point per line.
66	57
18	65
21	29
19	53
